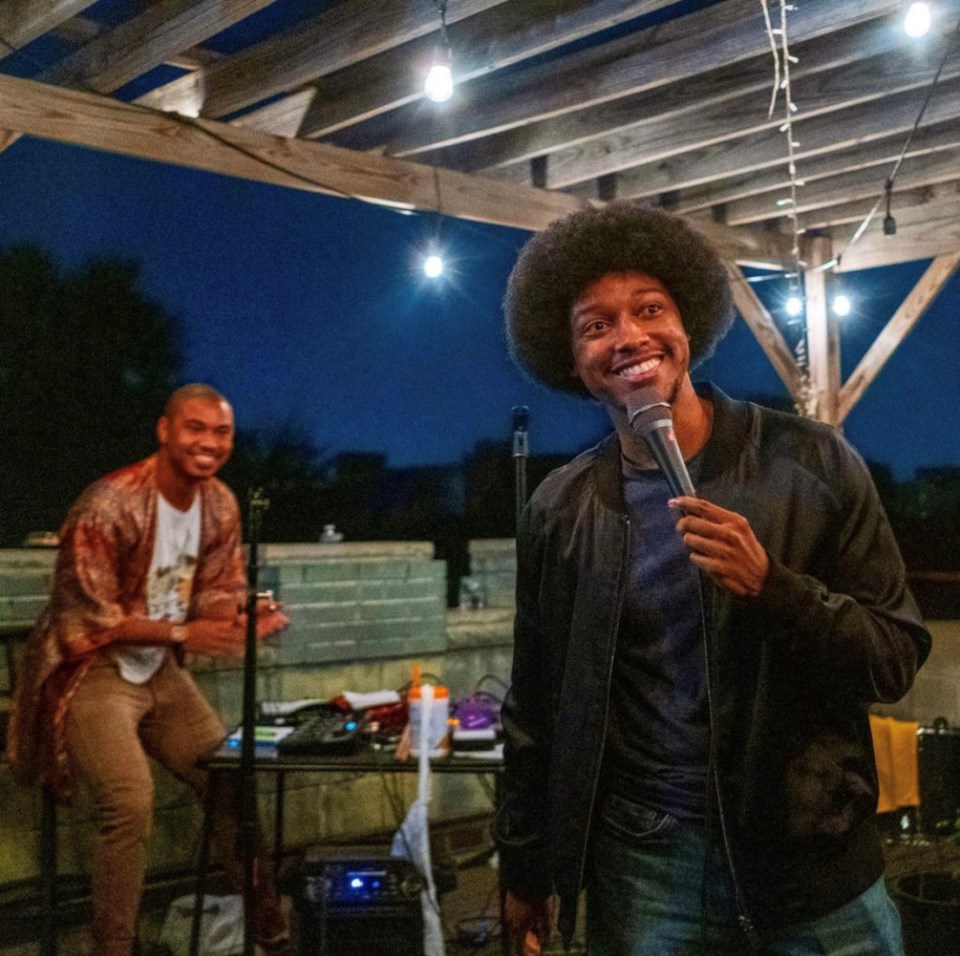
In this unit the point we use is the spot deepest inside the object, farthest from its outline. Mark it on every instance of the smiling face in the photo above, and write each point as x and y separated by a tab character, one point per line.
626	334
195	438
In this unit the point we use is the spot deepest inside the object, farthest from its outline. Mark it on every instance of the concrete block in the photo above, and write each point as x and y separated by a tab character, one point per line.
376	570
303	616
283	574
19	805
302	814
354	806
396	589
321	592
25	582
175	842
461	795
19	854
413	609
21	610
331	571
74	848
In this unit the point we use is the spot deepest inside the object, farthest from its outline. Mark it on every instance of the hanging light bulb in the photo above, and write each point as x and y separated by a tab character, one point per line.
439	83
794	305
917	21
433	265
842	306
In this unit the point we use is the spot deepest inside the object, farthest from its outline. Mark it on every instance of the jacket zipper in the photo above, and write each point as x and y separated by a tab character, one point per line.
624	559
743	918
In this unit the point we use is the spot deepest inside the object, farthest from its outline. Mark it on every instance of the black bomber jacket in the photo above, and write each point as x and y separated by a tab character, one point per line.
790	673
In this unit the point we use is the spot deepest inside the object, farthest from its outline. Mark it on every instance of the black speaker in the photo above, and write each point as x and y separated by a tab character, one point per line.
938	757
352	903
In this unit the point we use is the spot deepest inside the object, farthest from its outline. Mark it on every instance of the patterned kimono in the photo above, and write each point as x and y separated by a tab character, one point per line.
106	547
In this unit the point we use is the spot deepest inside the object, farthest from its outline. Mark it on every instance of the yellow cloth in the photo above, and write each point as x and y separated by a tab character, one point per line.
895	750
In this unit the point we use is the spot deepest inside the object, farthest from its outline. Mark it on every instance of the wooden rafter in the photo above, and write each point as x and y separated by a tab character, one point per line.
718	36
22	21
765	330
748	81
336	38
818	136
490	41
732	115
153	37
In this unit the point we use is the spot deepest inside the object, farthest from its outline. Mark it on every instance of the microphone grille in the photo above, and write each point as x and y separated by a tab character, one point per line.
645	408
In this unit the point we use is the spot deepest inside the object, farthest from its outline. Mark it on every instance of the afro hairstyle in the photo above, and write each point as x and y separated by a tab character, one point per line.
557	265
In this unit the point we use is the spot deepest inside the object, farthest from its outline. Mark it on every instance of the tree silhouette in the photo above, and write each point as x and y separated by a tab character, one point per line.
289	470
86	363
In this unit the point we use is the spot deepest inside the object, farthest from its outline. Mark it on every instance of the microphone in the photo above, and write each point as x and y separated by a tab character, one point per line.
650	418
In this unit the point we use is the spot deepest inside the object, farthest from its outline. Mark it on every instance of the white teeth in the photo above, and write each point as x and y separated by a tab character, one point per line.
640	368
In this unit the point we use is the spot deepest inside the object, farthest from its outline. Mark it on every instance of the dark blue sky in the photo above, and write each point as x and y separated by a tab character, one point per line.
312	309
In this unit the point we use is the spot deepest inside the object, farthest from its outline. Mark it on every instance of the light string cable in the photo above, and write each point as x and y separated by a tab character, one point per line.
782	60
217	137
888	184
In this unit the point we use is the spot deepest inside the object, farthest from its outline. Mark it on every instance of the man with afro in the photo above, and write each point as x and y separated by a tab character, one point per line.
687	731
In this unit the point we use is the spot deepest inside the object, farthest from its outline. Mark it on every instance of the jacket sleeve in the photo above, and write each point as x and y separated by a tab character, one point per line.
859	626
86	602
521	815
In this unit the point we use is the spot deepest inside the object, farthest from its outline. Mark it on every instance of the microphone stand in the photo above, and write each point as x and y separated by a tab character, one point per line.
249	822
521	450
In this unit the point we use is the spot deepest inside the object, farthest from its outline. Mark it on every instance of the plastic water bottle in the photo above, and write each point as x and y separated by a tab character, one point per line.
429	714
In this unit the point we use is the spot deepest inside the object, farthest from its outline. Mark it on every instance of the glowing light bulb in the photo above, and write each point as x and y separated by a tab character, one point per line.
439	83
433	266
794	305
842	305
917	21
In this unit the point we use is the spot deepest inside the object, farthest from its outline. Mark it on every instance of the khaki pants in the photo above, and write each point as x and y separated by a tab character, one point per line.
113	727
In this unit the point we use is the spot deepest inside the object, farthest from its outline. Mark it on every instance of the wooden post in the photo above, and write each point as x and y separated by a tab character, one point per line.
823	338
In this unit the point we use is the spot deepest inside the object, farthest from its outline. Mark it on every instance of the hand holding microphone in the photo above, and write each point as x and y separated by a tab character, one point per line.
722	543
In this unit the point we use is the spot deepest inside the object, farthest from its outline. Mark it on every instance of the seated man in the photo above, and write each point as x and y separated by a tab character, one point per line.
149	567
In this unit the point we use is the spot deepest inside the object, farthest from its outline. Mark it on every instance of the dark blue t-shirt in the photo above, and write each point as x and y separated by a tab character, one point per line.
658	732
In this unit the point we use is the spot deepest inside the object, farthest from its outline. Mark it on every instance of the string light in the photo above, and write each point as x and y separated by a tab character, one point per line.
842	306
433	265
917	21
794	305
439	83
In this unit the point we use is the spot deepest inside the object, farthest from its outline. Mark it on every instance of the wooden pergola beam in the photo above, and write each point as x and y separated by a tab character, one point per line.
767	334
87	119
136	46
823	334
22	21
896	330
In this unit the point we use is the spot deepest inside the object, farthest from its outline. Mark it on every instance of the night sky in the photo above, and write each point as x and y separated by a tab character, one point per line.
311	310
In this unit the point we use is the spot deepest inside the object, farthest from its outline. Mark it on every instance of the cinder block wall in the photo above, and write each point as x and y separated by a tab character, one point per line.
493	564
361	614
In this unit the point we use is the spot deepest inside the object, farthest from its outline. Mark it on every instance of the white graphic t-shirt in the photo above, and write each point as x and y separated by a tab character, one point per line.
169	583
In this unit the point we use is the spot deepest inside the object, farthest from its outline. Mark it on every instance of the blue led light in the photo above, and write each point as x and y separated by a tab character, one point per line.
351	725
356	883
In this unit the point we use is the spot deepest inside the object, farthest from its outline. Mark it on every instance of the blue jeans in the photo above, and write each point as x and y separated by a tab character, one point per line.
656	888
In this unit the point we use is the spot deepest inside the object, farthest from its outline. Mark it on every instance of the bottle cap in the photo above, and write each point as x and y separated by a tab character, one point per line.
439	691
